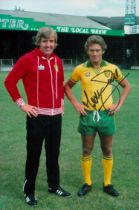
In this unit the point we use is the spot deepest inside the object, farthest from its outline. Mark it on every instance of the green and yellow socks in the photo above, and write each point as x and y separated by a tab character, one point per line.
86	167
107	163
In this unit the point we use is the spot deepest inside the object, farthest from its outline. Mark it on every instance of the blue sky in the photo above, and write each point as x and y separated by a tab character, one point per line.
72	7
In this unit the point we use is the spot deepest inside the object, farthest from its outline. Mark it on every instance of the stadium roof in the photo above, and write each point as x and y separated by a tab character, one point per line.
116	23
32	21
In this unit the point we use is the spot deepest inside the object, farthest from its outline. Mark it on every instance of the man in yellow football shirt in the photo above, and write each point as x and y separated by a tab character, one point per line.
97	109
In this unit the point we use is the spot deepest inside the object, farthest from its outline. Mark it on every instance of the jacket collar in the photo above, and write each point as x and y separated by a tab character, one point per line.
39	53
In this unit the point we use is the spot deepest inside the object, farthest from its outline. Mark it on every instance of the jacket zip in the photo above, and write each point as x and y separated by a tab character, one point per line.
38	61
51	77
56	66
51	84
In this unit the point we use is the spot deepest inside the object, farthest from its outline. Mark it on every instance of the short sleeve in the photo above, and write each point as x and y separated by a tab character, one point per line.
118	76
75	76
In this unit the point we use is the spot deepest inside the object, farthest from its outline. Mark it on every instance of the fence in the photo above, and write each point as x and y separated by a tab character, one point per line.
69	64
6	64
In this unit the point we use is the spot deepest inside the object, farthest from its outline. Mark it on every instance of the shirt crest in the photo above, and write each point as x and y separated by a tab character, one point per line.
56	67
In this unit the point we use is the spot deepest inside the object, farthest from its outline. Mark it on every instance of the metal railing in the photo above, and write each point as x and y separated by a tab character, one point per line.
69	64
7	64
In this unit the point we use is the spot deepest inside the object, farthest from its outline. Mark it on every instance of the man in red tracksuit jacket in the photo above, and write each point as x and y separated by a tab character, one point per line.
41	72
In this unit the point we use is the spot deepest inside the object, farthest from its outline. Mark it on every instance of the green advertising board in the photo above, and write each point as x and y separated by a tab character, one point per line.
8	22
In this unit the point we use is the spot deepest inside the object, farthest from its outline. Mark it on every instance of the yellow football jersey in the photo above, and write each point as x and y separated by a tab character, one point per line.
96	84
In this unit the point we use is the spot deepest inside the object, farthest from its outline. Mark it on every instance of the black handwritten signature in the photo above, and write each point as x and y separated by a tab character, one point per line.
93	101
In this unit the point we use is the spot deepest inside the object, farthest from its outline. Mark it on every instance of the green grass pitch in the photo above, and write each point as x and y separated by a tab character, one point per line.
125	151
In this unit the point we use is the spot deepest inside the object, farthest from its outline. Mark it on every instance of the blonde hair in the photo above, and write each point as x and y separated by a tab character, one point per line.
45	32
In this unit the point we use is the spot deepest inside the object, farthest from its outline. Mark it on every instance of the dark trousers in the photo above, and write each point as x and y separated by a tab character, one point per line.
42	128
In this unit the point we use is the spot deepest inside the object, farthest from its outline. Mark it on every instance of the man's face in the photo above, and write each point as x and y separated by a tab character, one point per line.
95	53
47	46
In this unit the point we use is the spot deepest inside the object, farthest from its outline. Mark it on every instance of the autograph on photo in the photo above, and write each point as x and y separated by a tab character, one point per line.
93	101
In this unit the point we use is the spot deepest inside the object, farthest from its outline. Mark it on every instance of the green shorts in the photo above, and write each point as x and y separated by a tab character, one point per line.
103	124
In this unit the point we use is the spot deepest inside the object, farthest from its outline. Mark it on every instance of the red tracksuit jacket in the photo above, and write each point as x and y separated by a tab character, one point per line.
42	79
